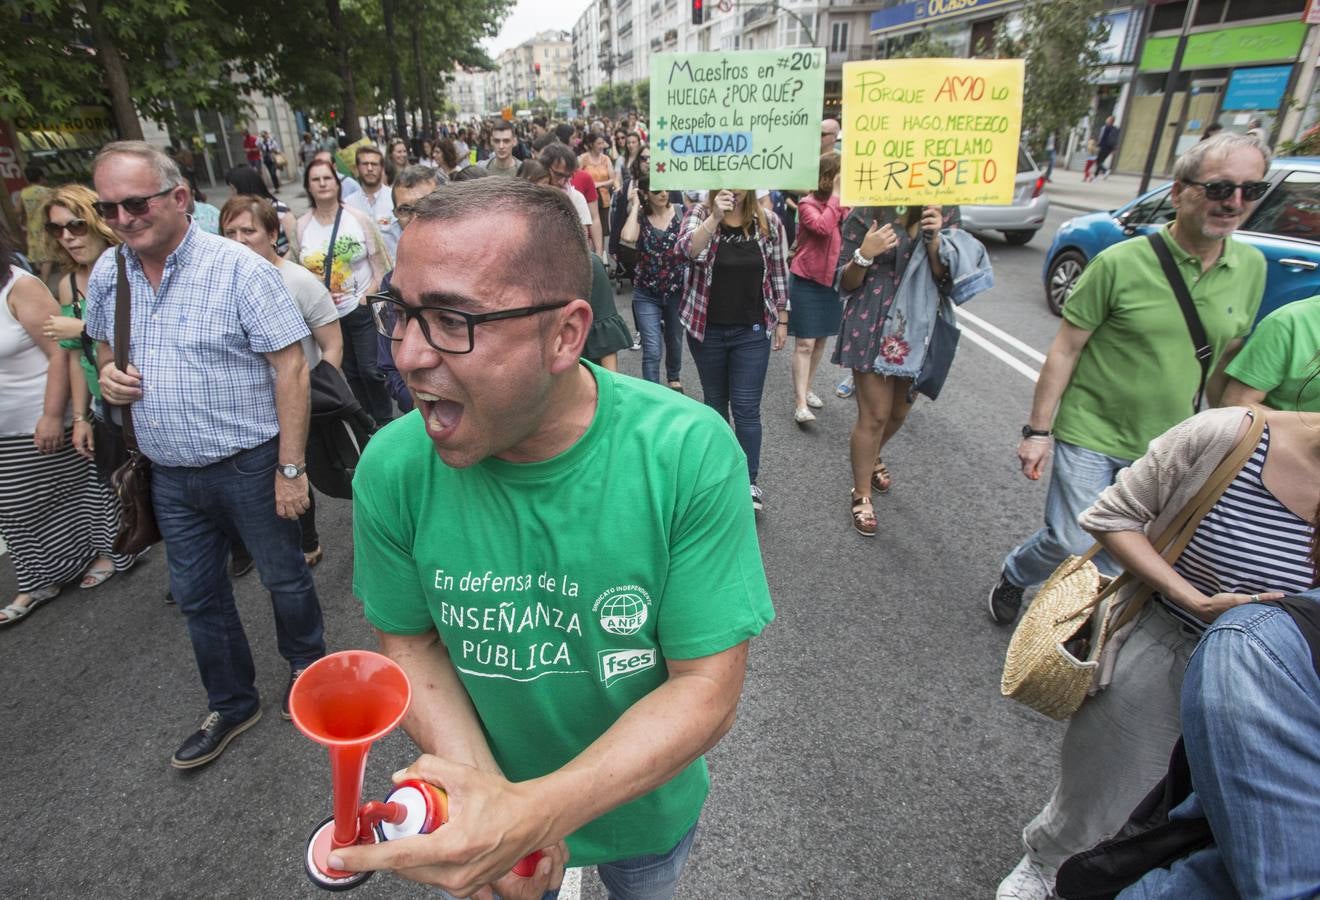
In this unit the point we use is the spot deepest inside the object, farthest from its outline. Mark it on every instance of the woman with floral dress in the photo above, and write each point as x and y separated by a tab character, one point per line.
652	225
878	243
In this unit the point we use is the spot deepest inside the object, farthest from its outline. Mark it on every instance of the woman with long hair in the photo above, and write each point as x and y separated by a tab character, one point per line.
734	308
56	515
596	164
343	248
653	227
245	180
816	311
878	243
396	159
252	222
1258	542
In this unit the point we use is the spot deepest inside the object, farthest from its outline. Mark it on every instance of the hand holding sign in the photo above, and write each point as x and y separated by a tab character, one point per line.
723	204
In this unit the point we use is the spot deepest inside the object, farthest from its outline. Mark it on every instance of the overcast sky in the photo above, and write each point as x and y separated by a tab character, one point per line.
530	16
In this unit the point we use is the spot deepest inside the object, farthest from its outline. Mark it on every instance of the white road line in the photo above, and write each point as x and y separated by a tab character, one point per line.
571	888
1001	354
1025	349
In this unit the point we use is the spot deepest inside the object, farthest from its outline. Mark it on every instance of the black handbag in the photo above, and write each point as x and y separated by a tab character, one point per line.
939	353
132	479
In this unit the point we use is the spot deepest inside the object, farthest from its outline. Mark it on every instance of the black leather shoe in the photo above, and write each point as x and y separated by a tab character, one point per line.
210	740
284	707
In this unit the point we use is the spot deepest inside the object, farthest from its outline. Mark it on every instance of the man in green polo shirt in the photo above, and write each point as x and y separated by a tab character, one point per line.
1278	366
1122	369
561	558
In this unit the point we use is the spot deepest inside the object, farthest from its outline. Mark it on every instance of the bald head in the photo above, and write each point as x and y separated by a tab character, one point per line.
829	133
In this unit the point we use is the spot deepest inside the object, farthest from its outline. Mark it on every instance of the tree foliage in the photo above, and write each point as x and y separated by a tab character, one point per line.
1060	42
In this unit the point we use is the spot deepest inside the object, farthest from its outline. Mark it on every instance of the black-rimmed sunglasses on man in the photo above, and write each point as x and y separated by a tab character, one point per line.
1222	190
134	206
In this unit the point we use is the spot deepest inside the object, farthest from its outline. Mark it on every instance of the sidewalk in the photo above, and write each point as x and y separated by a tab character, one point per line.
1066	189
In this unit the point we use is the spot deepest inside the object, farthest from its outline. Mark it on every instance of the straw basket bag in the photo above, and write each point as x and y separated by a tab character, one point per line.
1061	643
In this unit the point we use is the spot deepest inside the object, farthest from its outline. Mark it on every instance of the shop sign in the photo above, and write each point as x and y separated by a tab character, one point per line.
1227	47
1260	88
905	14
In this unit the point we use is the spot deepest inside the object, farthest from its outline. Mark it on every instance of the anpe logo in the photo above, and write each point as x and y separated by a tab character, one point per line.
623	610
616	664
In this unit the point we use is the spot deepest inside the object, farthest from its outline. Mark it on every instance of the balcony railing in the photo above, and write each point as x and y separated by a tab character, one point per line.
850	53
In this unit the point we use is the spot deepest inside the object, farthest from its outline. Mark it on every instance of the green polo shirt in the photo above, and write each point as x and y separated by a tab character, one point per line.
1281	357
1137	375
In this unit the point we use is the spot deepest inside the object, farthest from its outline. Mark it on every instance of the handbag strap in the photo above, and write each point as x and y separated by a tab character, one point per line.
1173	540
1200	342
328	265
123	306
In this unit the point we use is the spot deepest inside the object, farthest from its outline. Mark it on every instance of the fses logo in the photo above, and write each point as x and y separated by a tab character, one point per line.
616	664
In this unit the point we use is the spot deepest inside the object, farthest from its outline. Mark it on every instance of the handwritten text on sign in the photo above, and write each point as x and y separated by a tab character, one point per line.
748	119
931	131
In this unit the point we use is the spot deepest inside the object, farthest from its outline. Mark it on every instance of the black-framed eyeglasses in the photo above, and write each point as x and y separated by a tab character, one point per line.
560	176
446	329
1222	190
75	227
134	206
405	211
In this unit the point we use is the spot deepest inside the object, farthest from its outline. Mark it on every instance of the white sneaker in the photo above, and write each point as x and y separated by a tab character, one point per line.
803	416
813	401
1026	882
758	499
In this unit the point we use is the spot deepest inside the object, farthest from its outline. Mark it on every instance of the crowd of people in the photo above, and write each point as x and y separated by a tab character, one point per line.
521	419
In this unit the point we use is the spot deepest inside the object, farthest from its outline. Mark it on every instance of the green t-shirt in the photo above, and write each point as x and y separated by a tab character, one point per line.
1137	375
1281	356
89	370
561	587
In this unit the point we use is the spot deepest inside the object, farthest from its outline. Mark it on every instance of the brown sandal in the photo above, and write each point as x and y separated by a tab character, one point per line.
863	515
881	480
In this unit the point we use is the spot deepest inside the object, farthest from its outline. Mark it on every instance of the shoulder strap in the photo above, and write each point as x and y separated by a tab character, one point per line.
123	308
327	267
1200	343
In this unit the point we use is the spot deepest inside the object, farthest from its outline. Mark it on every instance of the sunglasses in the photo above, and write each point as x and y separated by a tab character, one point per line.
134	206
646	157
75	227
1222	190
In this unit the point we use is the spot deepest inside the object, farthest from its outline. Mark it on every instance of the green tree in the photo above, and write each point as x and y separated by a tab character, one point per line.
642	97
1060	42
925	44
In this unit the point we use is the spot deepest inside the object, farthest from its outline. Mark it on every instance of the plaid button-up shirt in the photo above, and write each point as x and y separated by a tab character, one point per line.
207	390
701	271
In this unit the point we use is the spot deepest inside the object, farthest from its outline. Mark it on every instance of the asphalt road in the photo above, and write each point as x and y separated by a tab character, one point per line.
872	757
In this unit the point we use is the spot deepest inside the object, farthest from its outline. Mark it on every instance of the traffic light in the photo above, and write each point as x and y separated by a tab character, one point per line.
332	114
697	12
537	67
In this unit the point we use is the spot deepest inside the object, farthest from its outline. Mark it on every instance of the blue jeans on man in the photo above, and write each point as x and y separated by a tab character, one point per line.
1077	477
1251	726
732	363
199	511
361	366
657	321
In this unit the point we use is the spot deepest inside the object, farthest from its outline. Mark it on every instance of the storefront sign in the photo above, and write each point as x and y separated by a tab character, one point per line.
906	14
931	131
748	119
1260	88
1227	47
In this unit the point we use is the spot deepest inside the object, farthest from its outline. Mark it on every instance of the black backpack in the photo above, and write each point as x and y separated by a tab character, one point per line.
338	432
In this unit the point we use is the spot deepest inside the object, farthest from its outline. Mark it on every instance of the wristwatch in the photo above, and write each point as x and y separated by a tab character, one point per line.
862	261
292	470
1029	432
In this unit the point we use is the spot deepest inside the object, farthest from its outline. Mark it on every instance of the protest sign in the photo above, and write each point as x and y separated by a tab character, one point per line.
742	119
920	131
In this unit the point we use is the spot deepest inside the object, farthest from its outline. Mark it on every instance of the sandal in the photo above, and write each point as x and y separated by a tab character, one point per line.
881	480
95	577
15	613
863	516
314	557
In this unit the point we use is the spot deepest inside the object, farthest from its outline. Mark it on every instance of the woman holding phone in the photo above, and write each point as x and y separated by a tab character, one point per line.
878	244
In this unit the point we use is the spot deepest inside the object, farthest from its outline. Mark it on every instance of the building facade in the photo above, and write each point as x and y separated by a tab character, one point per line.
537	69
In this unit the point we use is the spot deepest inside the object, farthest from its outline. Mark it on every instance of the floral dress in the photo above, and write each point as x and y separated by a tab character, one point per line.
861	337
660	268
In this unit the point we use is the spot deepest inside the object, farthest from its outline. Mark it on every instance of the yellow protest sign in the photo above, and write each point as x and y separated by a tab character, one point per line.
922	131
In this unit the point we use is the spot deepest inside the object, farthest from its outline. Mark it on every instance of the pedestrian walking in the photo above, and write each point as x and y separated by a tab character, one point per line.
811	291
652	228
271	154
1106	144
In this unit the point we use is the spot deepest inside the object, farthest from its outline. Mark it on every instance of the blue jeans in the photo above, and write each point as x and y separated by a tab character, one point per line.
653	877
1076	480
731	363
656	318
362	368
1251	724
199	511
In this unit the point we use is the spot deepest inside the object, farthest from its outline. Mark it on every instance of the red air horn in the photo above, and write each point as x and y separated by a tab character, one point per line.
346	701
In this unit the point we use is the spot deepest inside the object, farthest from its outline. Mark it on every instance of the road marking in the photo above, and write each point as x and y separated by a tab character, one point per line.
999	353
571	888
1025	349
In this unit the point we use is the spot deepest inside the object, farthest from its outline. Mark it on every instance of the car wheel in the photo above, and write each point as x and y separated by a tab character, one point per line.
1063	273
1018	238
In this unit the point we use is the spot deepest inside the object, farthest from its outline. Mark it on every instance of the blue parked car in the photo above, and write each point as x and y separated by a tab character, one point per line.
1285	226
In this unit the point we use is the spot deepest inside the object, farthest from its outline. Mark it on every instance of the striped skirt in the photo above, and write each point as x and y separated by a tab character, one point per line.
56	515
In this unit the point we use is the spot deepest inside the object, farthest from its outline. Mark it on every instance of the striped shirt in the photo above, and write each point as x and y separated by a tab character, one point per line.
199	340
1248	543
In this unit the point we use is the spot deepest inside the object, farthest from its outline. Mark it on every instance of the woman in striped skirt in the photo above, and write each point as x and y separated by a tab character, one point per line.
56	516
